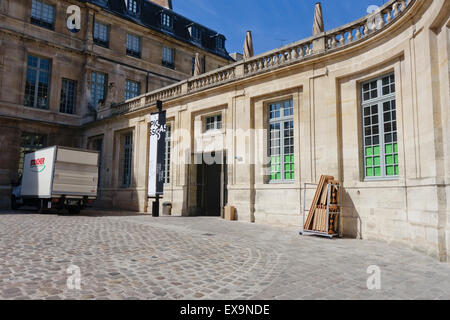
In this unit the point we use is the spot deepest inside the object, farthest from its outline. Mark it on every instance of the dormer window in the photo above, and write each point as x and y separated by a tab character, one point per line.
132	6
220	42
196	34
166	21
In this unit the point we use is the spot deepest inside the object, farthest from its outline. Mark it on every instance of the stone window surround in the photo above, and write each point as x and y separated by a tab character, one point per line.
64	107
98	41
169	142
168	57
281	120
135	40
381	98
118	160
128	83
40	20
261	107
214	117
200	136
391	67
91	83
25	71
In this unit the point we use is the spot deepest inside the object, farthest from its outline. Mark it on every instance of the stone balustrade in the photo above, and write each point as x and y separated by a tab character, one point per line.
279	57
364	27
289	54
163	94
215	77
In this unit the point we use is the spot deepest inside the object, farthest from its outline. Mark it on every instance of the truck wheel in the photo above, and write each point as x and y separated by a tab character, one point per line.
74	210
14	204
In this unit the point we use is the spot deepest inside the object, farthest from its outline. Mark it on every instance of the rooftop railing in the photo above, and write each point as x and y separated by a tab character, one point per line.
330	41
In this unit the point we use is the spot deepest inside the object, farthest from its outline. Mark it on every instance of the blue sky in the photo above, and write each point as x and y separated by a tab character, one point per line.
273	22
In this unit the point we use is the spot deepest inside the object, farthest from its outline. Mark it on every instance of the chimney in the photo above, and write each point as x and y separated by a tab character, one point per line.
163	3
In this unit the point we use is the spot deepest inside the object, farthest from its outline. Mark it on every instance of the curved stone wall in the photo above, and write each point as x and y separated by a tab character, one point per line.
324	77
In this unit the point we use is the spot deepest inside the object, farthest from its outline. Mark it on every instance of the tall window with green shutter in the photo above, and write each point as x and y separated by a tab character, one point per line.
380	128
281	141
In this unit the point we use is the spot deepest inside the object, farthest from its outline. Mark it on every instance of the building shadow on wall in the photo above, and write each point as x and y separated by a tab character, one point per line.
351	224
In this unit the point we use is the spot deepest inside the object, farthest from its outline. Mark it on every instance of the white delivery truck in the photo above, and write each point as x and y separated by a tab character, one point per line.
59	178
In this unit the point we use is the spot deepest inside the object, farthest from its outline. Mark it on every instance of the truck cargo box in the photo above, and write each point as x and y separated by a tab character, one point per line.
60	171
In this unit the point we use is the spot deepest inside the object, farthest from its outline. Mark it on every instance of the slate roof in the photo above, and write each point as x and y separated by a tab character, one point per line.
149	15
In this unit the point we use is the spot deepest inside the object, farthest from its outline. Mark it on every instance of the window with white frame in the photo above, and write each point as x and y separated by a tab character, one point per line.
37	85
168	55
42	14
213	123
98	87
167	152
166	21
127	159
281	141
380	128
132	6
133	45
132	89
101	34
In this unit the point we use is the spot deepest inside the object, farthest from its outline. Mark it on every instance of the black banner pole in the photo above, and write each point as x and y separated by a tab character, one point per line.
155	204
155	207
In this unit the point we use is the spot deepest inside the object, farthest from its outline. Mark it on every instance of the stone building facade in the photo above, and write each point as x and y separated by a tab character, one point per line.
367	103
54	79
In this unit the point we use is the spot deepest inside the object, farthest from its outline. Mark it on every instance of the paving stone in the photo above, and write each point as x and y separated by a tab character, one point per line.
140	257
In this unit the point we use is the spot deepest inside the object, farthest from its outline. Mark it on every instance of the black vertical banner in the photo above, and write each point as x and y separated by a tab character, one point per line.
156	156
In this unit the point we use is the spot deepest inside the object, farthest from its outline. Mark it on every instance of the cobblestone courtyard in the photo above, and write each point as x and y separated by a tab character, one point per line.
140	257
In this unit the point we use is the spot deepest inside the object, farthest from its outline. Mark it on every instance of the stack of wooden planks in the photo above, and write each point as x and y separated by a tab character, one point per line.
317	217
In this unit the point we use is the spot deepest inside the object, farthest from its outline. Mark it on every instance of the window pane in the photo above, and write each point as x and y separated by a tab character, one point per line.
37	83
127	158
42	14
68	95
281	140
132	6
168	57
132	89
30	142
166	21
380	150
98	88
133	45
214	122
101	34
167	155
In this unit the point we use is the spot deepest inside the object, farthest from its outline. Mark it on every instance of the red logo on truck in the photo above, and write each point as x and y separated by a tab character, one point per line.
37	165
